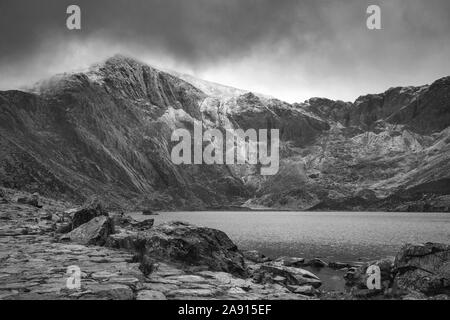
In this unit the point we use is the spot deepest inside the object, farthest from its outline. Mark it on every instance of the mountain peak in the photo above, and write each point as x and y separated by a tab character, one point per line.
120	59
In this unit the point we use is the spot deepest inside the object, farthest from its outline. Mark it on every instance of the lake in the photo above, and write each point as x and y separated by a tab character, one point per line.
335	236
332	236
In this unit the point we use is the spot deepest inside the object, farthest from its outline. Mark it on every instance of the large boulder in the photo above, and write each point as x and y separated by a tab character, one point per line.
424	268
89	211
185	243
270	272
94	232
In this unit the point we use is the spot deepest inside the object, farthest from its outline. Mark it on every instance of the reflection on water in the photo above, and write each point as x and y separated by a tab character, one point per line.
333	236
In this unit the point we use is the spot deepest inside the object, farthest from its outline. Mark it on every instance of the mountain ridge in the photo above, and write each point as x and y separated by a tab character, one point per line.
106	132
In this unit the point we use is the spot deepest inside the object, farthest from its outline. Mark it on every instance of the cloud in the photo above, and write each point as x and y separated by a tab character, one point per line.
290	49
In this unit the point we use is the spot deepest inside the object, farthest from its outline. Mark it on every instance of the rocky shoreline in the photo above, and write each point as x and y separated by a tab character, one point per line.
121	258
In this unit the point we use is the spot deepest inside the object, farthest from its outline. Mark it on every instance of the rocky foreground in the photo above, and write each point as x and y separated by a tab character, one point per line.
121	258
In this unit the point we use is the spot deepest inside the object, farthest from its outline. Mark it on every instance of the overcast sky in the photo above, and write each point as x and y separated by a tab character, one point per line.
290	49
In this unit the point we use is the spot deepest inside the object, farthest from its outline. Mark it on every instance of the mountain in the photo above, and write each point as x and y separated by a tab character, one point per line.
106	132
387	151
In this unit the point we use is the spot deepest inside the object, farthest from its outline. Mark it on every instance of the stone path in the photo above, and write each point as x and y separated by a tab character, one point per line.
33	265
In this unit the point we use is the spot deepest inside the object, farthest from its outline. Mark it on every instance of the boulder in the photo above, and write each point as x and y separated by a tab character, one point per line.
184	243
316	263
32	200
293	276
424	268
143	225
357	277
94	232
90	210
305	290
123	220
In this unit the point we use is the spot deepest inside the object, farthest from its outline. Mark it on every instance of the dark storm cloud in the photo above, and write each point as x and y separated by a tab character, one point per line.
189	29
289	48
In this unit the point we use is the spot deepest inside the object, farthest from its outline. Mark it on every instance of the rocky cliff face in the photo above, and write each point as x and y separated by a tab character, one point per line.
106	131
388	151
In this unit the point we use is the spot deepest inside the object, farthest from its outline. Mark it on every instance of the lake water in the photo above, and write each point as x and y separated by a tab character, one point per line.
332	236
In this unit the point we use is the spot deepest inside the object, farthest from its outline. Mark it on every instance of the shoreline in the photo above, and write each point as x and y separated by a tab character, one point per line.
247	209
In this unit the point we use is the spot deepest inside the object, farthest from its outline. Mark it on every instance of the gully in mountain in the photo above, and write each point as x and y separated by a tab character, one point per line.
240	145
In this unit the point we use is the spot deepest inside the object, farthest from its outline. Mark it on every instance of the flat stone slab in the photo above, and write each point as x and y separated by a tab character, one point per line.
37	268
